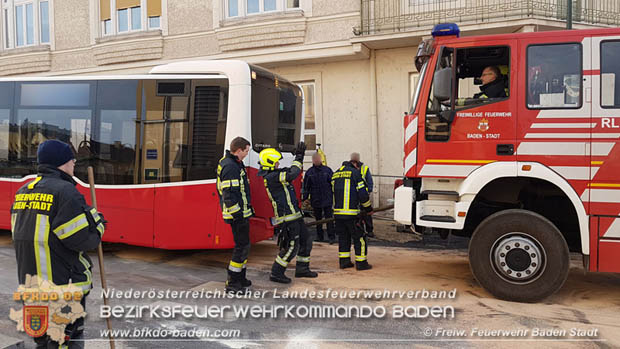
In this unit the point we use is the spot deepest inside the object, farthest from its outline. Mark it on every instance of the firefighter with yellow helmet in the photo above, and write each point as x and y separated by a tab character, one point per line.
295	239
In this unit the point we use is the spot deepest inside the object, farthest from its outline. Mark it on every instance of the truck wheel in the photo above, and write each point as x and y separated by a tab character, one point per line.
519	255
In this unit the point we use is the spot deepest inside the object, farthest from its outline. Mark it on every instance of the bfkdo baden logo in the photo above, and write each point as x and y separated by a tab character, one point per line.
35	320
47	308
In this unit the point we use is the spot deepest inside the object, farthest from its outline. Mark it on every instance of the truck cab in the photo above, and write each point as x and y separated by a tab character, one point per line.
511	141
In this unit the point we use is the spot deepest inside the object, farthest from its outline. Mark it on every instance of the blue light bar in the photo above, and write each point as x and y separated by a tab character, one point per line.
446	29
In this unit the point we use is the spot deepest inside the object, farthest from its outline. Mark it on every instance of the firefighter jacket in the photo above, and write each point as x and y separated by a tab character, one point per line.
52	227
318	186
366	176
233	187
494	89
281	192
350	192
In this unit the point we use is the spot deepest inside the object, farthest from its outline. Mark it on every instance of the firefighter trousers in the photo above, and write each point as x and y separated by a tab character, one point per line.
295	241
347	230
241	236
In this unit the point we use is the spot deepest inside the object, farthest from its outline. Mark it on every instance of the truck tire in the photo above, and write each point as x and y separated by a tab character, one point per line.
519	255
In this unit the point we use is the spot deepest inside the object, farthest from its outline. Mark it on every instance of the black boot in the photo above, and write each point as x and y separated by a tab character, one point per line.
244	281
302	270
43	342
362	265
233	284
277	274
345	263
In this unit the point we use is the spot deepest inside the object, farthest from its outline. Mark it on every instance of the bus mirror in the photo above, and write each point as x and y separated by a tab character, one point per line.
447	115
443	84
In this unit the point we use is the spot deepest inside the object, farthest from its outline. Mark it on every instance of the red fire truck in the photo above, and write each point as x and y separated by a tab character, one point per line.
529	172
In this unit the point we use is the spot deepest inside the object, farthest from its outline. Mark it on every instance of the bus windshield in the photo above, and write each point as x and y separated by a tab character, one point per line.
276	112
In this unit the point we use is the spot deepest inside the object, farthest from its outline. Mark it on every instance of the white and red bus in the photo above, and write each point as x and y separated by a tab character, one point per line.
529	174
154	142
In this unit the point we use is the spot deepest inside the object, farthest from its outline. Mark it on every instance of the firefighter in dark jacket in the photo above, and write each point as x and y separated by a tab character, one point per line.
492	83
367	178
233	188
295	239
351	201
318	187
52	229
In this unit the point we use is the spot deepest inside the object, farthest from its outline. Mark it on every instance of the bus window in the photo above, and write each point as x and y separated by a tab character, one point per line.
276	112
554	76
113	149
6	102
610	74
164	145
56	110
209	115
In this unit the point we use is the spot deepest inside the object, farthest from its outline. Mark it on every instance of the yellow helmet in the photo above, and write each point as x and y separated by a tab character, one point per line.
268	158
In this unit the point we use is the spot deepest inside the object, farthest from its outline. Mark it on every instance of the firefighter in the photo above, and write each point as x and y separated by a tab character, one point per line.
367	178
317	190
492	83
351	201
295	239
52	229
233	188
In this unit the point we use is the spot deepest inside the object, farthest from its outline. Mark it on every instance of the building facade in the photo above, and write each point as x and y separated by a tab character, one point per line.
353	58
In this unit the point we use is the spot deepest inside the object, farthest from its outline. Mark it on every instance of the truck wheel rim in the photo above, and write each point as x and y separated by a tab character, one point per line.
518	258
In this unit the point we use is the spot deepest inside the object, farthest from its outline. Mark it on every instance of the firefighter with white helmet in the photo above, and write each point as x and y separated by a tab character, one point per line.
295	239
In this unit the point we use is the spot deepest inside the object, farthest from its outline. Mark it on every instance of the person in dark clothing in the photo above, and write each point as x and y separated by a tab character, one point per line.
350	199
295	239
233	188
367	178
318	187
492	84
52	228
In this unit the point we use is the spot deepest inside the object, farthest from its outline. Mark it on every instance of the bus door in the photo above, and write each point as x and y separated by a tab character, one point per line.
468	124
183	140
604	188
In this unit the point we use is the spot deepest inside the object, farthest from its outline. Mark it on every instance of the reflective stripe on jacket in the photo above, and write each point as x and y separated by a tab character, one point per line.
366	176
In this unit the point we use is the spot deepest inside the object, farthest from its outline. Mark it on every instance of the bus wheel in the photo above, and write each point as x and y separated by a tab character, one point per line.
519	255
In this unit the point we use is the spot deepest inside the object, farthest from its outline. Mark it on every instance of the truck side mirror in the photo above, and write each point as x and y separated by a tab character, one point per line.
443	84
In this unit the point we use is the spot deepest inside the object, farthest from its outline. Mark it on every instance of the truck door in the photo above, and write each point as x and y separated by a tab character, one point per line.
554	126
468	124
604	188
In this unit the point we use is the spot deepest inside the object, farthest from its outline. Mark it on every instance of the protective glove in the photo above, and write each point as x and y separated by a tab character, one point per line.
367	210
300	150
237	215
105	223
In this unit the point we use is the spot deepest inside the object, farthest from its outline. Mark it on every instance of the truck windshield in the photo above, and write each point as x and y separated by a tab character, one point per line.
418	88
